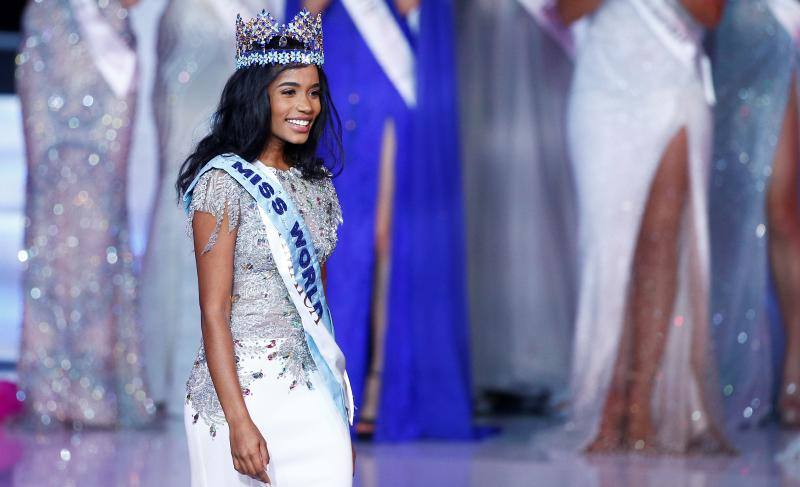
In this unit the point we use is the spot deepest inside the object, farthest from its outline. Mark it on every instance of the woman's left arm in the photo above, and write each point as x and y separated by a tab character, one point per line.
707	12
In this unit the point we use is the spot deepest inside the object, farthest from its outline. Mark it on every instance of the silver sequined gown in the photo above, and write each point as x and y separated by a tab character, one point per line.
308	442
195	52
80	358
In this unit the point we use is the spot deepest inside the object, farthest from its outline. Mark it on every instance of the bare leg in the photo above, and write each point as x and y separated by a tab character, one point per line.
626	418
612	425
654	285
380	284
784	252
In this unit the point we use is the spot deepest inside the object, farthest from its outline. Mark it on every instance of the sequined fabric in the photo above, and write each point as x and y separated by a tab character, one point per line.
264	323
755	60
80	360
630	85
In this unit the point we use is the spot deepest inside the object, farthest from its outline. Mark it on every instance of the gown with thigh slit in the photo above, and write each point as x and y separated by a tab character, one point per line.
638	81
307	438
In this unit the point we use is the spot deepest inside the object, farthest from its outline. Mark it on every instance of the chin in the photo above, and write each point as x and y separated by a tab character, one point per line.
294	139
297	140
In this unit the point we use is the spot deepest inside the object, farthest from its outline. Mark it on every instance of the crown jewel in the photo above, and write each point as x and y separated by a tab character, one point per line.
254	35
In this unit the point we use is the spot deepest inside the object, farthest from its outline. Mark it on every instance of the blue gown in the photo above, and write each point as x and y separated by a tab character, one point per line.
755	59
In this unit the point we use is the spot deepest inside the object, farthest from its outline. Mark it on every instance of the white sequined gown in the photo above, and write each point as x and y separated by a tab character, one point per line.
630	96
195	52
308	440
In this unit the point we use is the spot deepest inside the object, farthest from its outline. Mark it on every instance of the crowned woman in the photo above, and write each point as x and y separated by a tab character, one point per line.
268	398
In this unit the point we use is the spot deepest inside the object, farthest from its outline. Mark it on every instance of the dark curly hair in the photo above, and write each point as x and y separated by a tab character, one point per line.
241	125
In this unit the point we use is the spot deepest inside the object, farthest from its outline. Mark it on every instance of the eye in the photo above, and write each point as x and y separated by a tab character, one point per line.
315	93
288	92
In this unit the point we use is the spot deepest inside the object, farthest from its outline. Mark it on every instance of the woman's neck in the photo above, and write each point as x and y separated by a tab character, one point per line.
273	155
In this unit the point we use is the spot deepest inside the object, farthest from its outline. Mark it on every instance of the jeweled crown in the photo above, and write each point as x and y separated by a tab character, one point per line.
253	37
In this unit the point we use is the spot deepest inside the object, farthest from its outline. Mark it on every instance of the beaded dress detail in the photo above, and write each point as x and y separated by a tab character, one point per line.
264	322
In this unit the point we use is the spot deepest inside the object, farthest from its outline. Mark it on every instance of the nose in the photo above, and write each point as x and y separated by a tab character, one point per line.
303	105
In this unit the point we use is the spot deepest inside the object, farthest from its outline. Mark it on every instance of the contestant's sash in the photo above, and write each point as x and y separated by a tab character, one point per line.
388	44
680	39
112	56
296	259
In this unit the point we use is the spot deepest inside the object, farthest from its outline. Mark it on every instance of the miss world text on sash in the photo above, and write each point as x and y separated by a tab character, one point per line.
296	259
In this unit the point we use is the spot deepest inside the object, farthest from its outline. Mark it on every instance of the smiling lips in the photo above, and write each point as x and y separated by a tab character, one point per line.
300	124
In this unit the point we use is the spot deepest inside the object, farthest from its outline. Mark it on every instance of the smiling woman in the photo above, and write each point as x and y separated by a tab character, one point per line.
268	397
294	96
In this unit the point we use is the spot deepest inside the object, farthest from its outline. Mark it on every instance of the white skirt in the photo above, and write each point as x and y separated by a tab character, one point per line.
307	439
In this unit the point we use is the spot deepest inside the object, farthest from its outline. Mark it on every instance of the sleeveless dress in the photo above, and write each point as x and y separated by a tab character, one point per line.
308	441
80	358
638	81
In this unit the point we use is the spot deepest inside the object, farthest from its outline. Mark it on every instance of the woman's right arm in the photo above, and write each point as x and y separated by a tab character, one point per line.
572	10
215	281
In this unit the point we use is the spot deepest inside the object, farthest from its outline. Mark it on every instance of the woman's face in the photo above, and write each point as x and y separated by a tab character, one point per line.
295	100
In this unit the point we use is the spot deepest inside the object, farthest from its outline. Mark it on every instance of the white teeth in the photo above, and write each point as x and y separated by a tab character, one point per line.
302	123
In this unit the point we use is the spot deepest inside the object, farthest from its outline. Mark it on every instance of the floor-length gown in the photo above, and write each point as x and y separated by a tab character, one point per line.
632	93
80	359
195	56
519	198
755	59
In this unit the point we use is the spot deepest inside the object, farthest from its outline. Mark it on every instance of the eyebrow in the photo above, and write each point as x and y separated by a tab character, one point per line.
295	84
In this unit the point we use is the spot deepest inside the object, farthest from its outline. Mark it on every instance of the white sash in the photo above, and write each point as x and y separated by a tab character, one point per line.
284	227
324	341
388	44
112	56
679	38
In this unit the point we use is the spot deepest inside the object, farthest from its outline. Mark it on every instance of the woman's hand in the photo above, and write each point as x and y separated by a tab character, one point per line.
249	450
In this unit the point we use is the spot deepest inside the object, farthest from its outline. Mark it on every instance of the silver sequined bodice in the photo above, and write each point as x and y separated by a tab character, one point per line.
261	311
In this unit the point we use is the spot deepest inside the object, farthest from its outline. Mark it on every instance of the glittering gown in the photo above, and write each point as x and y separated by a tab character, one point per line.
309	444
755	59
631	94
195	51
80	358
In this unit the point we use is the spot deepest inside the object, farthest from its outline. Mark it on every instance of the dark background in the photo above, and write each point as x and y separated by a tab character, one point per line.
10	13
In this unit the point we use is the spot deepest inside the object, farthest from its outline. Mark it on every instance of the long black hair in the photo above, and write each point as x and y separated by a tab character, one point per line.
241	125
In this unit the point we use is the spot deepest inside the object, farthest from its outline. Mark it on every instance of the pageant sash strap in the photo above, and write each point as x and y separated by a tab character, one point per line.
388	44
113	57
683	40
296	259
